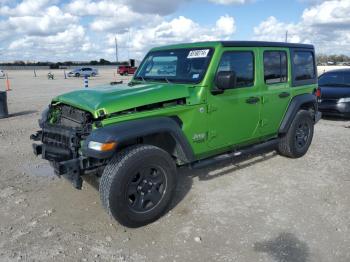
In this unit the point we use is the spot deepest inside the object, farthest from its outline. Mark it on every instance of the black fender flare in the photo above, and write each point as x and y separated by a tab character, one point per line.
293	108
128	130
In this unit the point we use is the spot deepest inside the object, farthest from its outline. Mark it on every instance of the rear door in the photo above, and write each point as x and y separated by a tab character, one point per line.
276	88
234	114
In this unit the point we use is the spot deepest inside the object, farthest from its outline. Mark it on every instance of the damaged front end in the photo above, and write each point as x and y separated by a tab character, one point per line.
63	130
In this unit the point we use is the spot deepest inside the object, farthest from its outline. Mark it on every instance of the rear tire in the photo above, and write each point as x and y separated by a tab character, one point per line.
296	142
138	184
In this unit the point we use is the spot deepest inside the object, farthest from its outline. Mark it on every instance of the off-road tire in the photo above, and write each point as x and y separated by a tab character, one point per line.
288	145
118	176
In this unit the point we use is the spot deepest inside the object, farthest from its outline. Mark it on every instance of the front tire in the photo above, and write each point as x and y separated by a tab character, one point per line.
138	184
297	141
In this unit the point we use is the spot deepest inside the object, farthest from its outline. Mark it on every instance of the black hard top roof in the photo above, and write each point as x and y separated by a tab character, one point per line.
264	44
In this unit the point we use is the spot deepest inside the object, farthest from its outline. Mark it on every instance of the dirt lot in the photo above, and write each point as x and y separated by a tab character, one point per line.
267	208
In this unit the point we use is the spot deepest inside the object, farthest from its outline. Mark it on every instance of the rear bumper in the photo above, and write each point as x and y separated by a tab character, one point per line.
334	109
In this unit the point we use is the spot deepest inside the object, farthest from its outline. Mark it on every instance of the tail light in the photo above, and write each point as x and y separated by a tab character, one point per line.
318	93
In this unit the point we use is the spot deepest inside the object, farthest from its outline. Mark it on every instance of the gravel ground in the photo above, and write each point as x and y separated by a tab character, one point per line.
266	208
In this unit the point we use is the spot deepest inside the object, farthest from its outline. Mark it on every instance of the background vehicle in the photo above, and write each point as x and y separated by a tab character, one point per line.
2	73
335	93
188	105
83	71
125	70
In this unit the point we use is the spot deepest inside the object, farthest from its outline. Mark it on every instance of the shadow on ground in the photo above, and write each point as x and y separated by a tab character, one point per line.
22	113
284	248
186	175
336	118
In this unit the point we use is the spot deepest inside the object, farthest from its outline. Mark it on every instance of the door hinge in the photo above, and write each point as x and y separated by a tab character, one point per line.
212	134
262	122
212	108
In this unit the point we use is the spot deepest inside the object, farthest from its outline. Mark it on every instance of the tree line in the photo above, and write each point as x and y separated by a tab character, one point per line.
62	64
321	58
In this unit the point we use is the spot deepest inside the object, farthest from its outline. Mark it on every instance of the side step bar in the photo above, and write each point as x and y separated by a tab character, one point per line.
254	149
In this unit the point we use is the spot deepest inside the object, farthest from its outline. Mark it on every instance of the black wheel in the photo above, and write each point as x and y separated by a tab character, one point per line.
138	184
93	74
297	141
77	75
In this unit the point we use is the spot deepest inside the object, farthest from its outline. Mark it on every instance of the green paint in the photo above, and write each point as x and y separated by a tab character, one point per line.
211	123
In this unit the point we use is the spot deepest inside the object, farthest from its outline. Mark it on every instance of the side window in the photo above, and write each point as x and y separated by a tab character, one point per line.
303	66
240	62
275	67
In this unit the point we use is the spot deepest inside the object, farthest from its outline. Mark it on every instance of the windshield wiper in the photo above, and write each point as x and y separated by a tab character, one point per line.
166	79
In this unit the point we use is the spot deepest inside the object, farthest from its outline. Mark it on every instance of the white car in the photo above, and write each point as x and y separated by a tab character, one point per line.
2	73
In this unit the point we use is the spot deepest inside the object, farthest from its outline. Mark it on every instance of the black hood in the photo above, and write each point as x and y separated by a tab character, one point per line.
334	92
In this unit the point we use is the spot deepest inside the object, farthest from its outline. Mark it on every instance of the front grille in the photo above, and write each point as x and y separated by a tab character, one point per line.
62	134
60	143
72	117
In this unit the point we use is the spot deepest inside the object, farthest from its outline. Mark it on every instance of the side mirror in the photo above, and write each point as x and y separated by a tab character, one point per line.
226	80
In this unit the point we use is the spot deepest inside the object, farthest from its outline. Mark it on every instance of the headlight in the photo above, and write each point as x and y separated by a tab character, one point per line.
102	146
344	100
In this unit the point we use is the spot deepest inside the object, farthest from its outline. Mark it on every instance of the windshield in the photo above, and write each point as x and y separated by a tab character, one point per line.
336	79
179	65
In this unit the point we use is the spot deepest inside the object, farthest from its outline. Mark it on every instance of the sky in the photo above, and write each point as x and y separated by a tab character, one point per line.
82	30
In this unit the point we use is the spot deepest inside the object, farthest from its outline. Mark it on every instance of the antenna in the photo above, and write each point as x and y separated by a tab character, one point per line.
286	40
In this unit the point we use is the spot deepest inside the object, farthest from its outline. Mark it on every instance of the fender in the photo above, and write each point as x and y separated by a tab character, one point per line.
126	131
294	106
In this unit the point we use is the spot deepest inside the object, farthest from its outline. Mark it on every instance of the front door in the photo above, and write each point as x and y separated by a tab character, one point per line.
234	114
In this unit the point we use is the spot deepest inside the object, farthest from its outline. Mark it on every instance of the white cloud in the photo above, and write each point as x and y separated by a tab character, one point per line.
226	25
105	8
110	15
27	7
326	25
66	44
328	13
177	30
53	21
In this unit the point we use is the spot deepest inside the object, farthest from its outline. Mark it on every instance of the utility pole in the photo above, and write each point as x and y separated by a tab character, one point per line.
116	48
128	45
286	40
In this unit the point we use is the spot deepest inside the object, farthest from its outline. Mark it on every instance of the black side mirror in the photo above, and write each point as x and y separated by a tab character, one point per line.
226	80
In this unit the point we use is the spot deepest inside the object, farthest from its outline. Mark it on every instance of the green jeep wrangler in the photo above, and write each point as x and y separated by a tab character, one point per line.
187	105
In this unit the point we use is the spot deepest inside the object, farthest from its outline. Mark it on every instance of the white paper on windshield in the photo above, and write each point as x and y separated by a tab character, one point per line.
198	53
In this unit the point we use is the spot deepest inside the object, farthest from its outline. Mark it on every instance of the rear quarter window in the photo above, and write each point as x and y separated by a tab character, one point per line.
304	69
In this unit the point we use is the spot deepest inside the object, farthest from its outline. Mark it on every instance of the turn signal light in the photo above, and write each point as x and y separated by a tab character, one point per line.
102	146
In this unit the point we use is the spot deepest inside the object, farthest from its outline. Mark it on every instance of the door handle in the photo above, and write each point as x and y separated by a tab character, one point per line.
252	100
284	95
